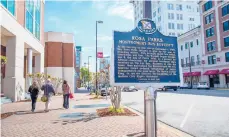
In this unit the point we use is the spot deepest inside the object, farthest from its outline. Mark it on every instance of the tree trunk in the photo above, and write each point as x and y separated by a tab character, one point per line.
115	96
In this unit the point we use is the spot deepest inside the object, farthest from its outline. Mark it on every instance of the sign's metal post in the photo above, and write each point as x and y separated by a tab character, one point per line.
106	93
150	112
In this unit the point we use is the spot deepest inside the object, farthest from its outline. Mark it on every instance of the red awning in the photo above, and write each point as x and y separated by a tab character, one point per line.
224	71
196	73
211	72
187	74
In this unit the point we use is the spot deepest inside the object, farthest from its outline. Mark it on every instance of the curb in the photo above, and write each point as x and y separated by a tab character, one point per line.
173	129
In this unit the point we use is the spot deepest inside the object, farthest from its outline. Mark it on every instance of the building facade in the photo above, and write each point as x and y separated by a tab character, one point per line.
190	53
78	50
172	18
215	40
22	42
60	57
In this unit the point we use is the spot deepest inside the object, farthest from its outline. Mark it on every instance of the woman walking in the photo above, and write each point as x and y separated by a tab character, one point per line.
33	90
66	93
48	93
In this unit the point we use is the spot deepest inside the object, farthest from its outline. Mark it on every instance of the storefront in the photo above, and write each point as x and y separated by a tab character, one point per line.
225	72
213	78
195	77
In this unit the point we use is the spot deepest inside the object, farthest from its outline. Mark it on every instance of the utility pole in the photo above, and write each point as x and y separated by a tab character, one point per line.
190	64
96	83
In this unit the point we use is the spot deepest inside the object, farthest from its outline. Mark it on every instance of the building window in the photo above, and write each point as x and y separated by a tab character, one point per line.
197	9
198	59
192	60
186	45
33	17
179	16
209	18
171	16
180	26
208	5
170	6
227	56
159	10
210	32
154	14
225	10
171	26
10	5
37	18
191	26
226	26
226	42
186	61
211	46
197	42
179	7
212	59
188	7
191	19
182	62
159	19
181	47
191	44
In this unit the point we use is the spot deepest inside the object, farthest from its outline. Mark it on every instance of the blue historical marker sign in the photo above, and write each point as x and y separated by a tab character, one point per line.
144	55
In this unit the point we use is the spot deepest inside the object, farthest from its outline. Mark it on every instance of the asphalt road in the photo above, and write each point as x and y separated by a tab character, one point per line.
203	113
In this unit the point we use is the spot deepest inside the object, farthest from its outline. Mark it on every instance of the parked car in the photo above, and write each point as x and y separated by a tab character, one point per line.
130	89
104	91
169	87
203	85
185	86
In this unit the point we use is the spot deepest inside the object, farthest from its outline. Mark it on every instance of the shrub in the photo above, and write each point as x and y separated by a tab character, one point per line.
113	110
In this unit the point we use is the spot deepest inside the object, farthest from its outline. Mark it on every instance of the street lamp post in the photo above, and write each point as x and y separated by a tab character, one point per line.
96	83
190	64
88	71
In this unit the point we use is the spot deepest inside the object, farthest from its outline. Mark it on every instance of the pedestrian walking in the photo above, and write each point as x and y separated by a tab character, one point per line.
48	93
33	90
66	92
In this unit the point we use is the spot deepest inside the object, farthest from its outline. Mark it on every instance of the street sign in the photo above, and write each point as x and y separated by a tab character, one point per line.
145	56
100	54
78	48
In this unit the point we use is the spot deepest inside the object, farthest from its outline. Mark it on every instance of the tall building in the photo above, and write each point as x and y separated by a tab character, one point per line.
22	42
104	62
189	45
215	41
78	50
60	57
171	17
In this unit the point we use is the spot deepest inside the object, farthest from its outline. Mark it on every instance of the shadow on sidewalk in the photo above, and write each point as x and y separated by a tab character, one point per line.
83	117
30	112
139	134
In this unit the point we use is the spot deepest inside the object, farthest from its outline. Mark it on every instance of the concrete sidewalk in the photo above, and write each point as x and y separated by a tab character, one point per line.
78	121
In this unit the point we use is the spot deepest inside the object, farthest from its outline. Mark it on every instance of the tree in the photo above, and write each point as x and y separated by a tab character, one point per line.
3	60
40	78
84	76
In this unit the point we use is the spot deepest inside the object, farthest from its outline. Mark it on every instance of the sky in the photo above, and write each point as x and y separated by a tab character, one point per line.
79	18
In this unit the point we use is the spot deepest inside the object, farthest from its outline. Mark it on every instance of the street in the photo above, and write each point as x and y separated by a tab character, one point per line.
203	113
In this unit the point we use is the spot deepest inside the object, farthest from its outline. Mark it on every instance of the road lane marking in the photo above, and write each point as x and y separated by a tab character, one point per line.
186	116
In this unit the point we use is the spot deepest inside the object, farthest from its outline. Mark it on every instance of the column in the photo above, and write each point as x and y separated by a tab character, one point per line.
29	66
39	63
222	80
14	82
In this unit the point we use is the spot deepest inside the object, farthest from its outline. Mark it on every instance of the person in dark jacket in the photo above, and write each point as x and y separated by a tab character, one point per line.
33	90
48	92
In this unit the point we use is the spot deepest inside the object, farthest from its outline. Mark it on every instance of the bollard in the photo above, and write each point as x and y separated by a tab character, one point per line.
150	112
